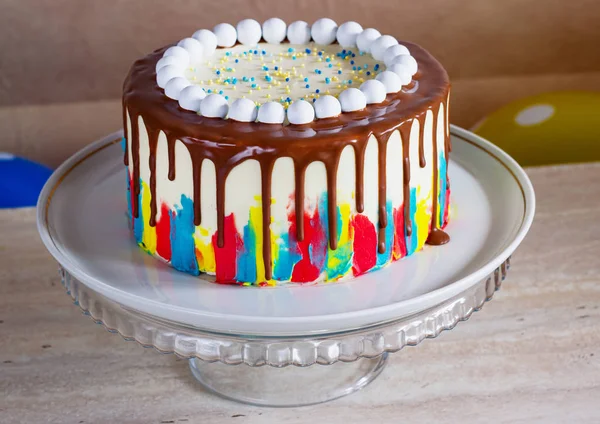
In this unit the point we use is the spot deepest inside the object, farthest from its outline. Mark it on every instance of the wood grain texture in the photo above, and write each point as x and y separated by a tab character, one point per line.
531	356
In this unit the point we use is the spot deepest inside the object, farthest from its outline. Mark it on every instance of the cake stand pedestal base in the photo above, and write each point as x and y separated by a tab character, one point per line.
288	386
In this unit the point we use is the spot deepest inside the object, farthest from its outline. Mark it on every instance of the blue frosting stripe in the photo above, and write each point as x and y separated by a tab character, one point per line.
183	250
246	261
384	258
442	192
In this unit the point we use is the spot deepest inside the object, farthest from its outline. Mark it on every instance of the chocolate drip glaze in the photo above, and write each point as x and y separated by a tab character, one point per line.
382	140
436	235
125	147
227	144
266	169
404	130
421	119
153	144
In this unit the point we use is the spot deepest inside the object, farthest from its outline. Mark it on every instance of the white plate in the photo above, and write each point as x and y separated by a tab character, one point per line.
82	221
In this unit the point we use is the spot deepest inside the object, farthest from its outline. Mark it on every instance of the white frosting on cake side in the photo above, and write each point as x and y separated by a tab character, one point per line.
243	184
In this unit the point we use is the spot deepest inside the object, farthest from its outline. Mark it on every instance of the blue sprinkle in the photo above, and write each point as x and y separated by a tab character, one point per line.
226	97
265	68
227	53
237	61
307	51
221	92
301	98
307	86
349	81
365	66
339	72
327	80
289	99
255	51
351	62
287	80
245	53
290	50
277	68
354	68
344	51
368	72
362	53
328	60
376	66
253	85
317	91
314	100
209	91
353	55
294	57
305	79
321	53
330	65
251	78
218	72
264	52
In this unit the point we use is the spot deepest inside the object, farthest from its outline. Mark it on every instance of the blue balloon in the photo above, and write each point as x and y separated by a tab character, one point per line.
21	181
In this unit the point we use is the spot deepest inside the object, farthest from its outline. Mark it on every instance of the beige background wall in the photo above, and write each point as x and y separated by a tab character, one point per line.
62	62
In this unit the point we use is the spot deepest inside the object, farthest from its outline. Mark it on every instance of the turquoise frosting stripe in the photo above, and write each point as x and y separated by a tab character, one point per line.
183	250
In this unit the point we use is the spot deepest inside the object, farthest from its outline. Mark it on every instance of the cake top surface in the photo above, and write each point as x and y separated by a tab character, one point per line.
276	73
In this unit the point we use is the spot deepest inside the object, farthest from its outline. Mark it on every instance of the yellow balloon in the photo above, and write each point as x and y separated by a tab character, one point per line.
557	127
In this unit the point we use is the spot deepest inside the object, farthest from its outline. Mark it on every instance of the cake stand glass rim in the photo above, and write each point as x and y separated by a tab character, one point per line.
282	351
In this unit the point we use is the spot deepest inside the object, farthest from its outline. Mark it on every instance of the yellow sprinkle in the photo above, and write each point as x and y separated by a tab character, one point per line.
302	65
210	82
361	79
345	86
274	61
233	86
250	91
243	96
360	71
258	88
209	63
339	86
347	58
327	92
319	60
201	81
226	83
268	96
334	78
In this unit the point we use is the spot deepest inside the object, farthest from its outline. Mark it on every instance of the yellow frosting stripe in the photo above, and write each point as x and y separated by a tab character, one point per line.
149	234
205	253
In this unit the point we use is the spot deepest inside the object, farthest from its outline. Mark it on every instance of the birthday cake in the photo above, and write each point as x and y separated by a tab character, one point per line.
274	153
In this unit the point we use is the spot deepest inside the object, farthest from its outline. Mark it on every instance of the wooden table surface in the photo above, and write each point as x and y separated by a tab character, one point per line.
532	355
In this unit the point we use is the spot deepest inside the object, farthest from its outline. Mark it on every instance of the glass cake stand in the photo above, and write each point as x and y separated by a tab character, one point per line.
290	345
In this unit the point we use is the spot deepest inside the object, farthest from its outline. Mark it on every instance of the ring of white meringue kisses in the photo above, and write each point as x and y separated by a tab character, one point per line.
400	68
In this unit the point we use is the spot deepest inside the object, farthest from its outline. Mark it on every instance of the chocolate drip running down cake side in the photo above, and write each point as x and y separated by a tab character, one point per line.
287	153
